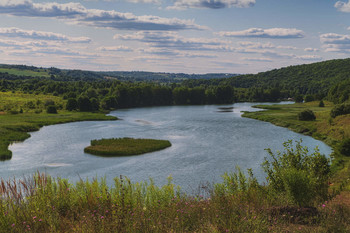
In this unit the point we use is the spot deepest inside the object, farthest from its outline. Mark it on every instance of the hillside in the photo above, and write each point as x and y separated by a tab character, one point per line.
25	72
316	78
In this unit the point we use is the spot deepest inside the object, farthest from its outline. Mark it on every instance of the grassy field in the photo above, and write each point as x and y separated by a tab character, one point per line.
14	125
125	146
330	130
31	73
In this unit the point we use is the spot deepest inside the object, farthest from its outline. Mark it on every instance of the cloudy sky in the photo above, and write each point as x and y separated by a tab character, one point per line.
190	36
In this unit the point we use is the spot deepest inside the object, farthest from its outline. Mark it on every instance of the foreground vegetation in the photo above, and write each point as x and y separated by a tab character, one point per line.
125	146
238	204
334	131
22	113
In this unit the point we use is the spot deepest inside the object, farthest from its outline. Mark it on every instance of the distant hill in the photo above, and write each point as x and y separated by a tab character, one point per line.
22	71
306	79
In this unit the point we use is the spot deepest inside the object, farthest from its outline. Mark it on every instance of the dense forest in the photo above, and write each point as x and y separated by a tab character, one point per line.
93	91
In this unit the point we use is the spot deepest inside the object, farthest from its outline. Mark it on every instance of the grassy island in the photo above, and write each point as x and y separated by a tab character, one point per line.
125	146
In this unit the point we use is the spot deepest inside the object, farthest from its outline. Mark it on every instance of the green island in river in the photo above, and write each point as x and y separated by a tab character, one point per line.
125	146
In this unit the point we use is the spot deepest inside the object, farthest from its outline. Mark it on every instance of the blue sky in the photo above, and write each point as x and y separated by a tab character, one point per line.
190	36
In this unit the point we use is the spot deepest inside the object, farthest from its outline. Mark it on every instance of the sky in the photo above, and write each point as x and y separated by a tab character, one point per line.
179	36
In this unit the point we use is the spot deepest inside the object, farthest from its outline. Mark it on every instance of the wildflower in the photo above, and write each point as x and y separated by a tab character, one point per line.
40	220
34	217
102	217
323	205
13	224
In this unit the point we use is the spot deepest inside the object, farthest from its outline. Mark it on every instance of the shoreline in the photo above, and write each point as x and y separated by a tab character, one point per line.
281	115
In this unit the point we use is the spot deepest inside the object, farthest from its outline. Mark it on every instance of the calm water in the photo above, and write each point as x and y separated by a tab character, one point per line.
205	144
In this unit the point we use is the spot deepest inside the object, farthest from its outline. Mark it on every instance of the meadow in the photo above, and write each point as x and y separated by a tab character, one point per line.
30	73
21	113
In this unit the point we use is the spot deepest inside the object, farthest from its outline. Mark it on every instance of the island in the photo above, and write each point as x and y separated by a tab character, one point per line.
125	146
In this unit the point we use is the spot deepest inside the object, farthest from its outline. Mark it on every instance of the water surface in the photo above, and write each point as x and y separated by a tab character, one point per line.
206	142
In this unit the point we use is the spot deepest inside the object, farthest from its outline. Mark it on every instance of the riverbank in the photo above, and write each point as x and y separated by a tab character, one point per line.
21	113
324	128
14	128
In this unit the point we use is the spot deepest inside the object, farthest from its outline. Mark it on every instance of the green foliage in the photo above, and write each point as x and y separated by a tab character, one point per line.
125	146
303	178
72	104
298	99
309	98
321	104
344	147
51	109
235	183
340	109
307	115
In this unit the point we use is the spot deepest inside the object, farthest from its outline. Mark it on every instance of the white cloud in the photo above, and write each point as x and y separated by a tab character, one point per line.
348	28
258	45
39	35
311	50
257	59
309	58
145	1
77	13
336	43
211	4
171	40
120	48
342	6
273	33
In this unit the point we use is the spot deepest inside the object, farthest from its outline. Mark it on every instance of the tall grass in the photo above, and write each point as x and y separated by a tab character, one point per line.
44	204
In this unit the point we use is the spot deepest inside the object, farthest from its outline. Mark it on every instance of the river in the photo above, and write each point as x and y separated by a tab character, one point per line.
206	142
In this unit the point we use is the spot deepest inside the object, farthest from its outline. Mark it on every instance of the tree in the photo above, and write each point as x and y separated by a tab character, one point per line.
298	99
72	104
84	104
309	98
51	109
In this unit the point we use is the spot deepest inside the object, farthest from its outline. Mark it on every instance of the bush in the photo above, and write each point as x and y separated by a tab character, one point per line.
301	177
344	147
306	115
321	104
341	109
51	109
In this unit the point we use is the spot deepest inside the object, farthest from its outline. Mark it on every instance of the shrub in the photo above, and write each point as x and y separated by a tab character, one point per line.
306	115
341	109
344	147
321	104
301	177
51	109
